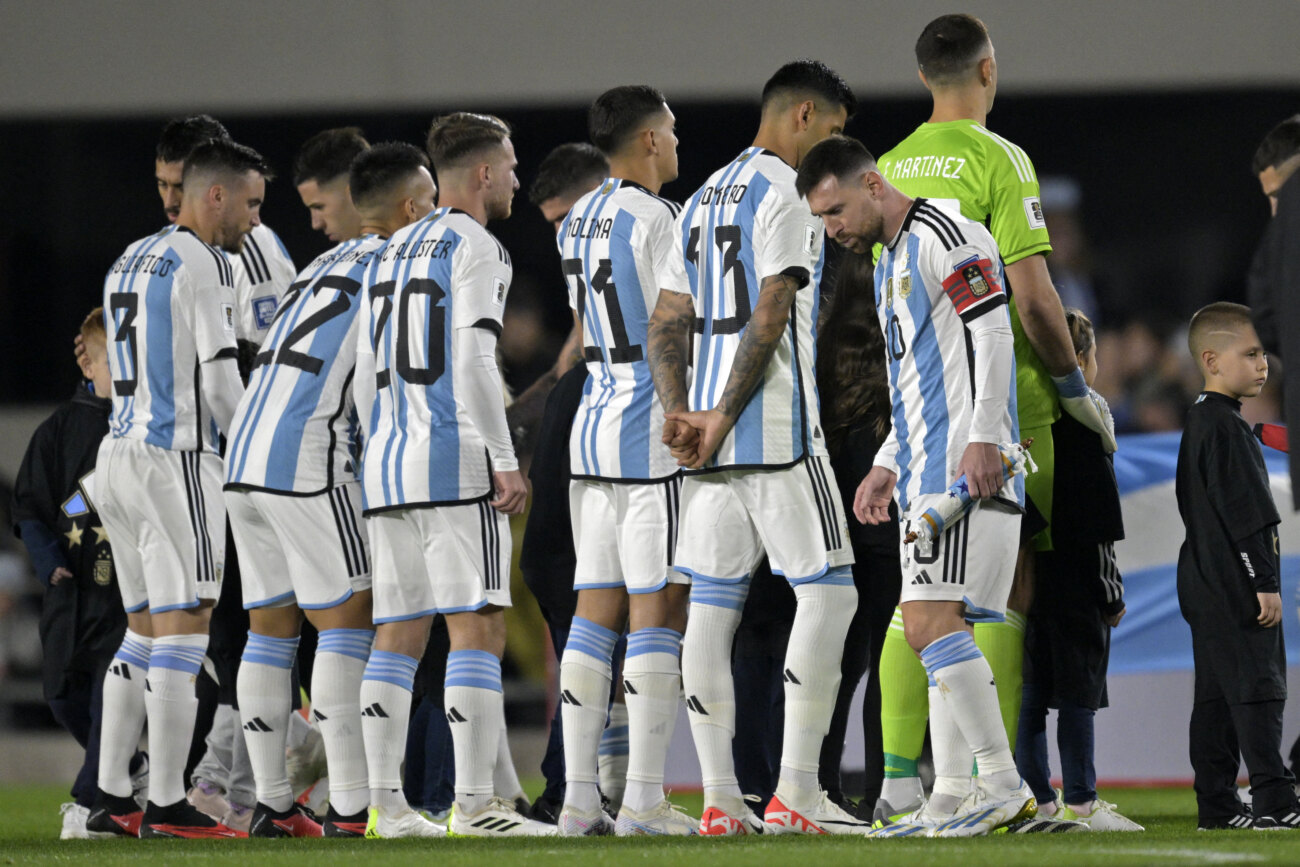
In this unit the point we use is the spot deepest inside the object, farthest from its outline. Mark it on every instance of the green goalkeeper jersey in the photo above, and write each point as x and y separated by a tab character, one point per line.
993	182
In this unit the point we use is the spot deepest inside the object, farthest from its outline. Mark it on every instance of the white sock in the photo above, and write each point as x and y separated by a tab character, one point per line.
952	757
264	686
171	705
966	682
585	676
710	691
652	686
476	714
612	755
123	713
336	676
385	700
812	679
901	792
505	779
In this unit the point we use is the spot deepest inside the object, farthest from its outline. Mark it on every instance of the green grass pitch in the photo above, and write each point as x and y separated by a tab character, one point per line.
29	829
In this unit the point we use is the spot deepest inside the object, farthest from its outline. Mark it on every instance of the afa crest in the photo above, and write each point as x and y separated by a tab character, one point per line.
974	277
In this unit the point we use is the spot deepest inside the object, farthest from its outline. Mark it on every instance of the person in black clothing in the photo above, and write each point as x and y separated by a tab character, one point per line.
1228	584
1078	597
854	388
1273	284
540	422
82	621
546	556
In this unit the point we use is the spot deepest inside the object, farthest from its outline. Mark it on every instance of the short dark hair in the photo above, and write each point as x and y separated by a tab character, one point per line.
1280	145
617	114
221	156
328	154
454	137
183	134
838	155
949	47
1212	319
568	167
801	77
378	169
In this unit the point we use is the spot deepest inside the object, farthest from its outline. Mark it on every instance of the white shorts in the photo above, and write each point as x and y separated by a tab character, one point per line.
973	561
166	522
730	518
311	551
625	535
439	560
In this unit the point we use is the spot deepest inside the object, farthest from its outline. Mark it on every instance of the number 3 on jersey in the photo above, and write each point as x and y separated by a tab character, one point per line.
622	352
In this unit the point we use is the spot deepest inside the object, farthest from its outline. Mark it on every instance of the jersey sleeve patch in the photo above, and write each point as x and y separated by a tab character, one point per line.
264	311
973	288
228	317
1034	213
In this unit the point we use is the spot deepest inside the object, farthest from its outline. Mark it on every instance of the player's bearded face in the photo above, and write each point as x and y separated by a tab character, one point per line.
852	217
168	177
241	211
504	183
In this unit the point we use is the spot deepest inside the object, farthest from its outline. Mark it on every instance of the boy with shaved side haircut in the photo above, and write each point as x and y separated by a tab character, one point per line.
1228	584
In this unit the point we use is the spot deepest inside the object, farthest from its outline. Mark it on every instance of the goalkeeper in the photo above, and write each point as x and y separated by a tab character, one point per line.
954	157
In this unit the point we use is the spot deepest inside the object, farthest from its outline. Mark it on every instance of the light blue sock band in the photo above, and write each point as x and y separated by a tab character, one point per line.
594	640
395	668
654	639
275	652
355	643
949	650
473	668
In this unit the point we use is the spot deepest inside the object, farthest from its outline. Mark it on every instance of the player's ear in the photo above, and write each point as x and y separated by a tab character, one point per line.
1210	360
985	68
921	75
806	110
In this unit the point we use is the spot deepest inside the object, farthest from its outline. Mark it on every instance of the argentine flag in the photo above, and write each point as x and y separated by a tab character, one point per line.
1153	635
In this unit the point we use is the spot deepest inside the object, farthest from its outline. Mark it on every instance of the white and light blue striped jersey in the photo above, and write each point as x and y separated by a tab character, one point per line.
295	429
263	272
939	280
744	225
440	274
169	306
613	244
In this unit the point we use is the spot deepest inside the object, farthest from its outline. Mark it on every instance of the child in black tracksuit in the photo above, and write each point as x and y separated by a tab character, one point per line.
1078	598
1228	584
82	620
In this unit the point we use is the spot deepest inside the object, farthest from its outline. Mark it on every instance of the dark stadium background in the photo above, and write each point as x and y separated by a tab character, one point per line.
1170	205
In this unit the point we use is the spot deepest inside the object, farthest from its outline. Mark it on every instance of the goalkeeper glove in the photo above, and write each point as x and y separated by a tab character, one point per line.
1087	407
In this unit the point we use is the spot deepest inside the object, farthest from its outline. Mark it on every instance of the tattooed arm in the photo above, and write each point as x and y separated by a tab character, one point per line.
669	338
762	333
